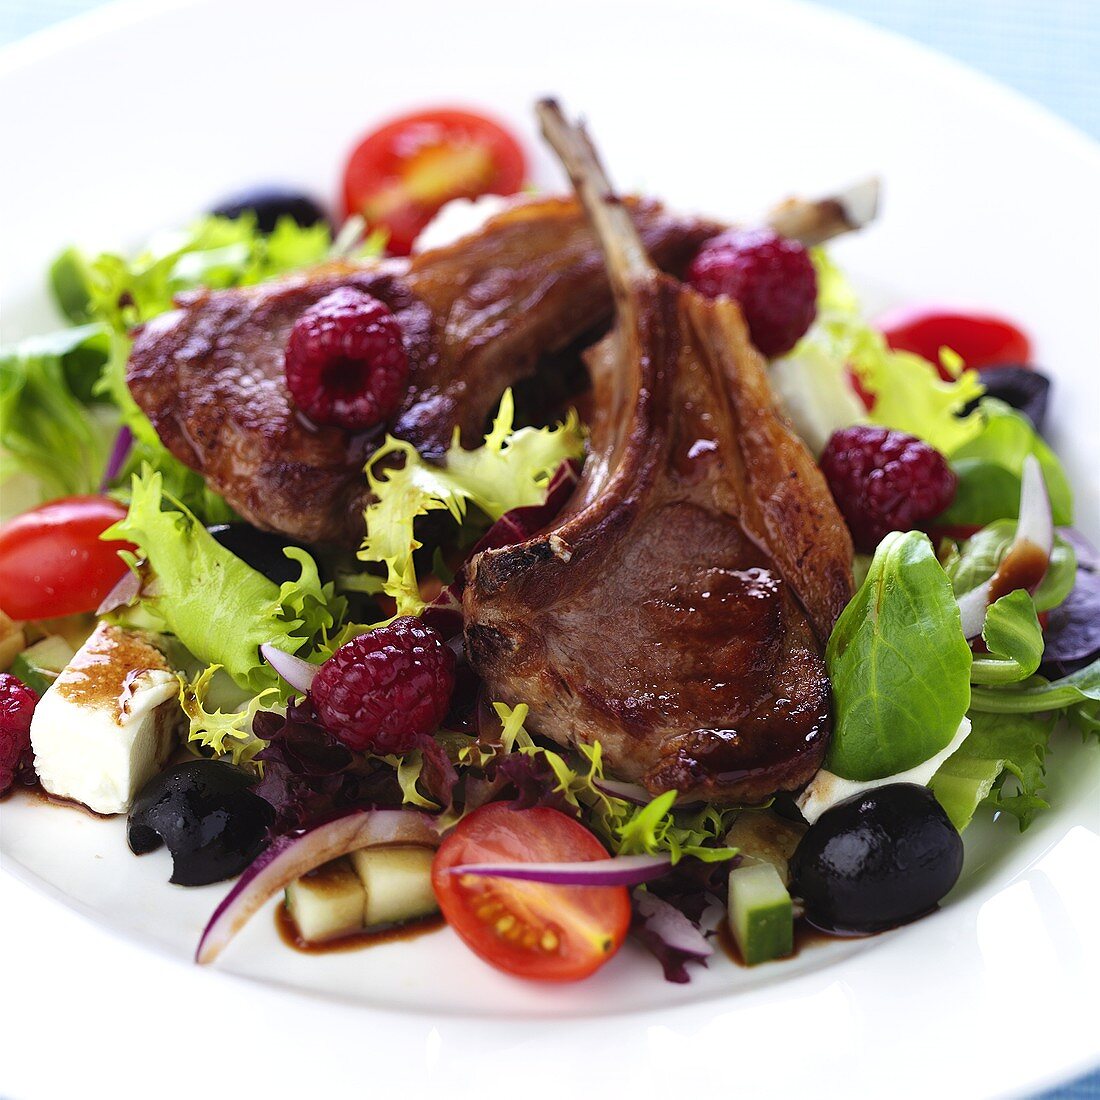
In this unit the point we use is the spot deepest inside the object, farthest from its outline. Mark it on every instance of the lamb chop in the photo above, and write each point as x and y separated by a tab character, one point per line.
677	611
476	317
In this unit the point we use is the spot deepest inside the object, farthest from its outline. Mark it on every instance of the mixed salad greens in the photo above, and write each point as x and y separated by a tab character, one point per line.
918	697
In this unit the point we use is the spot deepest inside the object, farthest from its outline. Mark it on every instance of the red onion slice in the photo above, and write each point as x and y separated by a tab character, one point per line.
290	857
123	594
1036	523
667	922
633	793
296	672
1034	539
619	871
124	441
972	609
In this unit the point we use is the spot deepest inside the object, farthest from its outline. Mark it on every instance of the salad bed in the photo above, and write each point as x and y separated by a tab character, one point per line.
928	692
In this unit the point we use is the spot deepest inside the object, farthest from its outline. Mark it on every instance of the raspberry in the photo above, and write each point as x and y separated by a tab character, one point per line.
772	279
885	481
383	691
17	703
345	362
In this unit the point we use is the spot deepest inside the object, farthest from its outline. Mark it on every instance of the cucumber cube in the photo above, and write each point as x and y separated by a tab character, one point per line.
40	664
760	913
327	903
398	882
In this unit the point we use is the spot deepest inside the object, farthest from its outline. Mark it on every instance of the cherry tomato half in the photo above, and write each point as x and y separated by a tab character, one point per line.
551	933
52	561
402	173
980	339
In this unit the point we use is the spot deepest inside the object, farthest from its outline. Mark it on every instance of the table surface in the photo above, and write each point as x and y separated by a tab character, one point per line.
1047	49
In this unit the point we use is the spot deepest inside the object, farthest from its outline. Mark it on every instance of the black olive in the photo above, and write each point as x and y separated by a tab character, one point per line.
269	204
203	810
880	859
1024	388
263	550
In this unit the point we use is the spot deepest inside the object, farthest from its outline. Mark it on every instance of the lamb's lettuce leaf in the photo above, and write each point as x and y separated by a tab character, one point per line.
511	469
1078	694
1014	638
991	464
220	608
899	664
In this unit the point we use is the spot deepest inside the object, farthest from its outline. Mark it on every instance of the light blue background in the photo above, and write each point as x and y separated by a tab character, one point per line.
1047	49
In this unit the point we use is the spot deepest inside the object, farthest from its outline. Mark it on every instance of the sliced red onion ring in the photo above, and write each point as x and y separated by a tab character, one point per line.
290	857
296	672
619	871
972	608
1034	537
633	793
119	452
1036	523
667	922
123	594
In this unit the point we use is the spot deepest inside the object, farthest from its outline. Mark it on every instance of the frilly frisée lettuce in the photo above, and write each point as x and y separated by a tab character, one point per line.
511	469
219	608
899	664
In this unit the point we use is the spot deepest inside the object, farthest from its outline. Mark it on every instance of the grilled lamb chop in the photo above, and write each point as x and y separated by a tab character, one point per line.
476	317
677	611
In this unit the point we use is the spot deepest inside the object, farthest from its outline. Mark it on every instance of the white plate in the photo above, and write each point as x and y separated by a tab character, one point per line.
134	118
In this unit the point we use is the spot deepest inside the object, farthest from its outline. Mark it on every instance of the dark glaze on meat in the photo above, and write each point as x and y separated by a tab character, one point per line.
476	316
677	613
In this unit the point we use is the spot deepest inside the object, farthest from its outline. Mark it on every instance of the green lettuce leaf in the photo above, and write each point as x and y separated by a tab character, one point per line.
46	434
47	431
980	555
511	469
213	252
1002	763
991	464
899	664
220	608
963	783
910	395
1014	638
1071	693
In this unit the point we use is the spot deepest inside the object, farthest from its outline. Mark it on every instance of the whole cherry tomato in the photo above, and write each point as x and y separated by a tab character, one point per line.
401	174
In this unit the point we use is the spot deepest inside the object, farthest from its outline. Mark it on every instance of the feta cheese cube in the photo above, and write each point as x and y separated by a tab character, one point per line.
109	722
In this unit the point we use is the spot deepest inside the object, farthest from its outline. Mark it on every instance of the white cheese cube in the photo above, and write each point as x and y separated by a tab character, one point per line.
109	722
